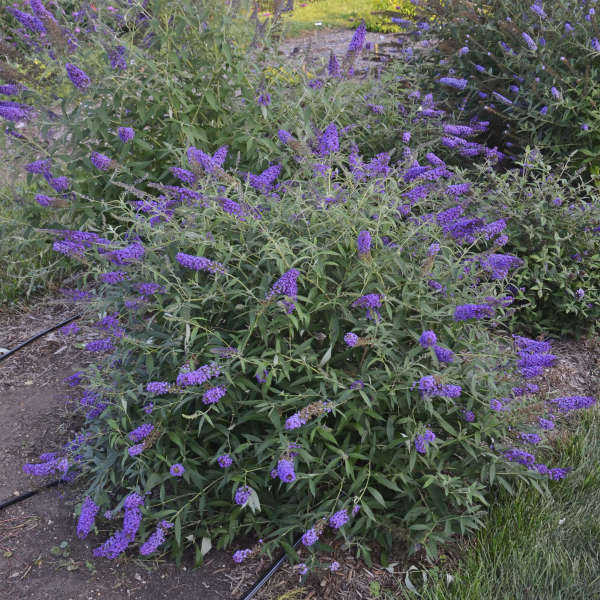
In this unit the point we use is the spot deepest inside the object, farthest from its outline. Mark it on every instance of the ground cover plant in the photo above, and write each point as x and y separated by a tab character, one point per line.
301	333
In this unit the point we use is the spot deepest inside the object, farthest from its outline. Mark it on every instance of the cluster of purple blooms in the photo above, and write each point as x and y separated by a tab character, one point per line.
429	387
372	302
428	339
286	286
423	441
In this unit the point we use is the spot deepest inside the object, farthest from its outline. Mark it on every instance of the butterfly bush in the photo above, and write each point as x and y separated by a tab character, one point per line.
529	68
264	371
196	348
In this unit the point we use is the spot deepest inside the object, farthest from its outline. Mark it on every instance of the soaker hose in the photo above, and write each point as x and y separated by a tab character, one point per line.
16	499
268	574
37	336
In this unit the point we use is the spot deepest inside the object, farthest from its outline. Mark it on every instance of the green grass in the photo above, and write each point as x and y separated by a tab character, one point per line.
342	13
534	547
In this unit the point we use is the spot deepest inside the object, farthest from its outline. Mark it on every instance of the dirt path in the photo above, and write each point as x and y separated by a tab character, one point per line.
317	44
40	556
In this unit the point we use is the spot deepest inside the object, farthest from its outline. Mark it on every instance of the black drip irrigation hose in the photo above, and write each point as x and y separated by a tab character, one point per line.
37	336
268	574
264	578
16	499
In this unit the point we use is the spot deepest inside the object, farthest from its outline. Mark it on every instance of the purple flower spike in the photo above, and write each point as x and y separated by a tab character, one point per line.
358	39
89	509
224	461
364	242
339	519
126	134
371	302
428	339
141	432
310	537
285	470
422	441
351	339
80	80
242	495
101	161
459	84
158	388
214	394
286	286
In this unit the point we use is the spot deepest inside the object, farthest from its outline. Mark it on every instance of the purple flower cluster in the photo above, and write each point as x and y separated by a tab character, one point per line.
358	39
465	312
310	537
80	80
156	539
118	543
126	134
428	387
459	84
423	441
444	355
158	388
141	432
87	516
363	242
286	286
339	519
428	339
50	464
207	162
329	141
199	263
264	182
351	339
530	438
241	555
372	302
105	345
285	470
177	470
198	376
214	394
242	495
570	403
101	161
117	58
113	277
224	461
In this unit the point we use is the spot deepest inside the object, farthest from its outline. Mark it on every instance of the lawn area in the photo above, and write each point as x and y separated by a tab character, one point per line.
340	13
536	546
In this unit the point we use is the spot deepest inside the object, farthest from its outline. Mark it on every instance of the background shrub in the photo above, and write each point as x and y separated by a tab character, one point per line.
531	67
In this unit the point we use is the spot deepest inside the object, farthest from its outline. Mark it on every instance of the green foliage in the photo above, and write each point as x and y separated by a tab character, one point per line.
543	544
362	451
552	221
548	88
347	14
